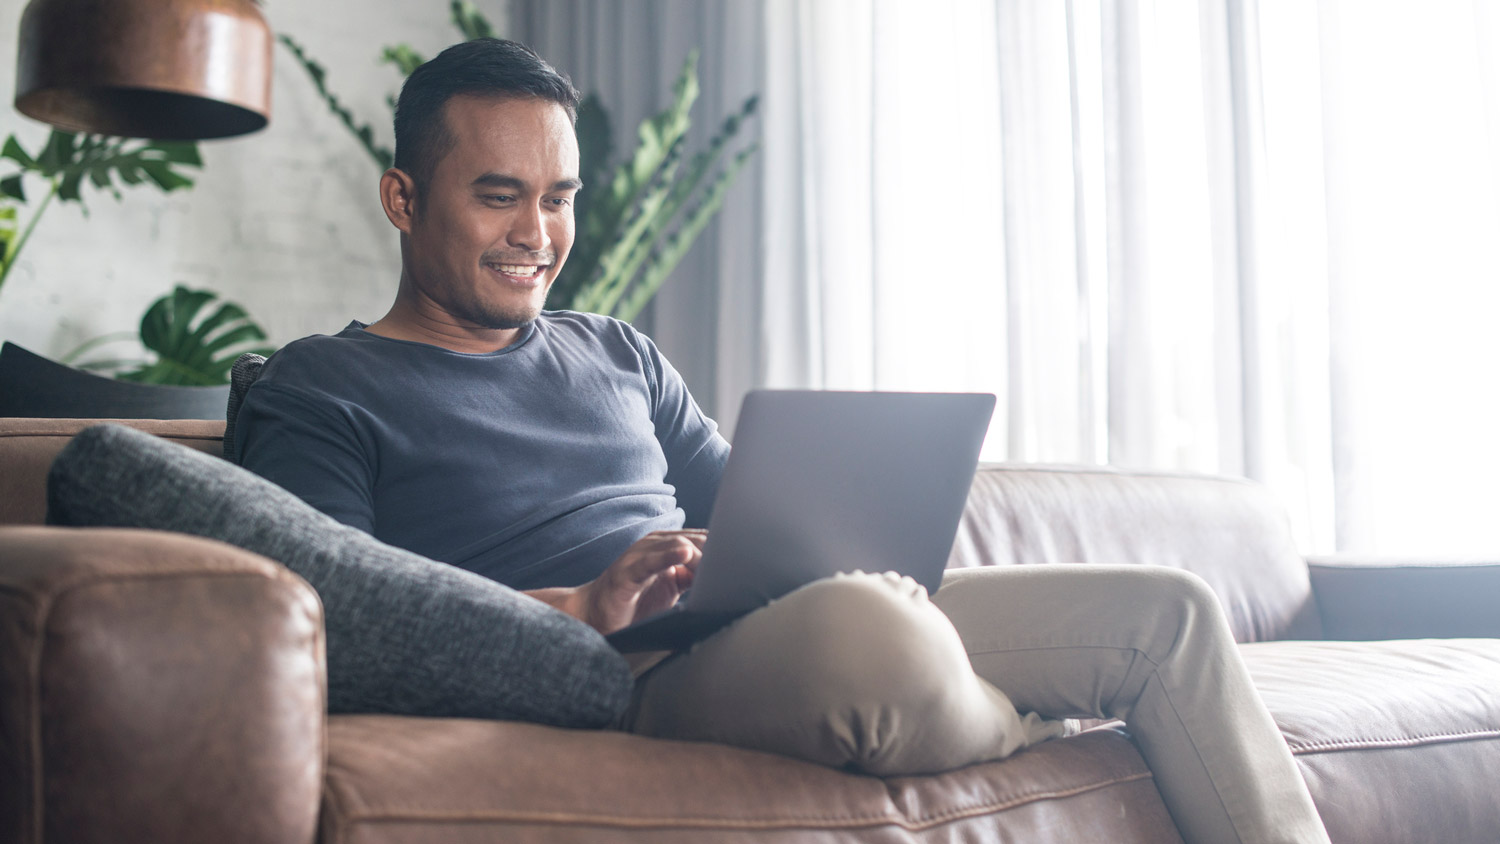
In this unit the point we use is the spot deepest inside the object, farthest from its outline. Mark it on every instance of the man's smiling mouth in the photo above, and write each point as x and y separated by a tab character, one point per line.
518	270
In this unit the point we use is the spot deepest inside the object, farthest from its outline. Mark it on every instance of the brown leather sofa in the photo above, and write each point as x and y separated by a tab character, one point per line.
162	688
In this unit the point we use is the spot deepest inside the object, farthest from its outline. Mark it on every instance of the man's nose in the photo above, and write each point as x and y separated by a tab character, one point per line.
527	231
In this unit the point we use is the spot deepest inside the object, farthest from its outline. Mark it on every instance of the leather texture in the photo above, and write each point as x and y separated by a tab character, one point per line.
1228	531
1393	737
409	780
27	447
158	688
1381	731
1364	599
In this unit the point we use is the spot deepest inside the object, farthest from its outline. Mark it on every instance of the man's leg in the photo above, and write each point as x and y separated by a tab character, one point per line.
1151	646
856	671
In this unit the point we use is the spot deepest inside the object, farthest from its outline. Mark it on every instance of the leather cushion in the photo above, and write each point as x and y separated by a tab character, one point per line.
410	780
158	688
406	635
1229	531
28	446
1399	741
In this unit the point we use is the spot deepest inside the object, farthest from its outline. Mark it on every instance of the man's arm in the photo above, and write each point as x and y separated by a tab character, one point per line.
695	451
309	449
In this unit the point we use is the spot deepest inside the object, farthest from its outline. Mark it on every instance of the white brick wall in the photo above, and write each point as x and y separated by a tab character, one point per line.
284	221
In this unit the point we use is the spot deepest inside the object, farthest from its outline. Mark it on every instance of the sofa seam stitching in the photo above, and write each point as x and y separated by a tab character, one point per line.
913	824
1392	741
73	583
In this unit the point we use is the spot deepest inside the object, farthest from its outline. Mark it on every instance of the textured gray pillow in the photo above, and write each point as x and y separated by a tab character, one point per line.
245	371
406	635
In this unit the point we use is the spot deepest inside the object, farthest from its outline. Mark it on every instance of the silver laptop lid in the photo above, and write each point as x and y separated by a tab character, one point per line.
820	482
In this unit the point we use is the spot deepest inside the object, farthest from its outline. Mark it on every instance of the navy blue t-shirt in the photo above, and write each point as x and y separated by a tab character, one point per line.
536	465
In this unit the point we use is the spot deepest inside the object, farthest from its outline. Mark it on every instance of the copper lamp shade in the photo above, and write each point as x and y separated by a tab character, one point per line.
167	69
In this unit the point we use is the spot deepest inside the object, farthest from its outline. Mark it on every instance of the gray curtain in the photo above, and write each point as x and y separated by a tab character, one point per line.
706	318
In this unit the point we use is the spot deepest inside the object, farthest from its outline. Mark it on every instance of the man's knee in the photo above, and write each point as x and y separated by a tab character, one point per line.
890	685
878	637
1183	596
1162	609
860	671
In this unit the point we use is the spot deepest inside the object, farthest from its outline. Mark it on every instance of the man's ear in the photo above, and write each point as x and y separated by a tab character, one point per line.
398	195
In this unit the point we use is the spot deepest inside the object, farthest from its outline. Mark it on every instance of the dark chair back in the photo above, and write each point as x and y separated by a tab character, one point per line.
33	386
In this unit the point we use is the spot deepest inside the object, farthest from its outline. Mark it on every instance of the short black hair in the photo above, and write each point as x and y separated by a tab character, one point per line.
487	67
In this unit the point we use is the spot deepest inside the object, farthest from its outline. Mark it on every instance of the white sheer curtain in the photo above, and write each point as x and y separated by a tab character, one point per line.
1410	105
1064	203
1218	236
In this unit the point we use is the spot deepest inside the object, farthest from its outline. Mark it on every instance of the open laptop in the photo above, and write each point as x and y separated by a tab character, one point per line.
824	482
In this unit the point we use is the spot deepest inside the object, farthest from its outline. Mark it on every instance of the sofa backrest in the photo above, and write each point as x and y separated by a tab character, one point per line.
1229	531
27	447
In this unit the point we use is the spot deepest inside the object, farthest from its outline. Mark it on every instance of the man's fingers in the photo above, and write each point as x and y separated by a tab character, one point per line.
662	540
693	535
649	558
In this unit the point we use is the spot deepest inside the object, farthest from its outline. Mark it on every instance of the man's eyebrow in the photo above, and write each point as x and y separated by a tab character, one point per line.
497	180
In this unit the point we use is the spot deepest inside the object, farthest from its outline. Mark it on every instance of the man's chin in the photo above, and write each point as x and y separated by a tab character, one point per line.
509	322
502	319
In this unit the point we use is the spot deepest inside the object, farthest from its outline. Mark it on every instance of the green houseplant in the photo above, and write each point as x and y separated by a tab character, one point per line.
188	347
63	164
191	345
635	221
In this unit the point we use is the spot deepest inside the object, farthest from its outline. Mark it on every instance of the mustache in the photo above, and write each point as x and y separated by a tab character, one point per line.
496	257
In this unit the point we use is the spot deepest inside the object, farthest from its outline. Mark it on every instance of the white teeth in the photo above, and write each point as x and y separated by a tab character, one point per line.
517	269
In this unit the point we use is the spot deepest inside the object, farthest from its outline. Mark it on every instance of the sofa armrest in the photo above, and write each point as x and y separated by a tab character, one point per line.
1364	599
159	688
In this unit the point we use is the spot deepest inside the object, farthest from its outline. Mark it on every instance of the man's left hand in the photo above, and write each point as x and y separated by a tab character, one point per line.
648	578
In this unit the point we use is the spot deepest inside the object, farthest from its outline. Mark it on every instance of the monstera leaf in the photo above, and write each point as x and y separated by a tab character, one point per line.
68	161
190	350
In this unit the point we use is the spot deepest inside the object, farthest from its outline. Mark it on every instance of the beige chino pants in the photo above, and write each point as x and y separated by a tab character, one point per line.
865	672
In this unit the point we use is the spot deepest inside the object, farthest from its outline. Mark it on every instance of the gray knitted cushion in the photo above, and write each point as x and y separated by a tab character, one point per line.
245	371
405	635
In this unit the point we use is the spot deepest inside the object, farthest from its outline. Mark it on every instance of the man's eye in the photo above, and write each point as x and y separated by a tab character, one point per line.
560	201
499	197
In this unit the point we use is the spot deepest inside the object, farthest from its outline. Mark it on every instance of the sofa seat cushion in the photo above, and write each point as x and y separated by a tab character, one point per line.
1399	741
417	780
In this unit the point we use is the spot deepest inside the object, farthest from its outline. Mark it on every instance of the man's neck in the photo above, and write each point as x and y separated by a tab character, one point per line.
403	324
419	319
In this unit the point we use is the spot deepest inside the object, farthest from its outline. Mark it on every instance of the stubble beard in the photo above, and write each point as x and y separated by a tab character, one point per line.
497	317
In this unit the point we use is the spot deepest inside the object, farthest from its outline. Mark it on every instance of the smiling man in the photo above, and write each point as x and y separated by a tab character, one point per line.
486	217
559	453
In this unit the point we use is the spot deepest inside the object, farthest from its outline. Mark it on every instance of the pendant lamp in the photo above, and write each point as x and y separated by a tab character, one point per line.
165	69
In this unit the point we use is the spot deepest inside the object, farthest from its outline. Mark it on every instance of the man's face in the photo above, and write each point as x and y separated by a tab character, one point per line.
494	223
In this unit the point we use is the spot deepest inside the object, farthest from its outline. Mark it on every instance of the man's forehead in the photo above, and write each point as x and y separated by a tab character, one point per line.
488	111
498	130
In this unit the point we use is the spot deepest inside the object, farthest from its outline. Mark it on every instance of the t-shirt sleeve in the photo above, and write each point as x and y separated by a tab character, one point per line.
695	451
310	447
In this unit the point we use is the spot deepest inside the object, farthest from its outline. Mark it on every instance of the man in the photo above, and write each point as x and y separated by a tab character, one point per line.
561	454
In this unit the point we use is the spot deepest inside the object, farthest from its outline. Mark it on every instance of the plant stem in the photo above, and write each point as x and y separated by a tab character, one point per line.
10	260
87	345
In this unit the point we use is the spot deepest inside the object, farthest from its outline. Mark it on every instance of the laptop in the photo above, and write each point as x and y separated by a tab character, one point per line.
821	482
